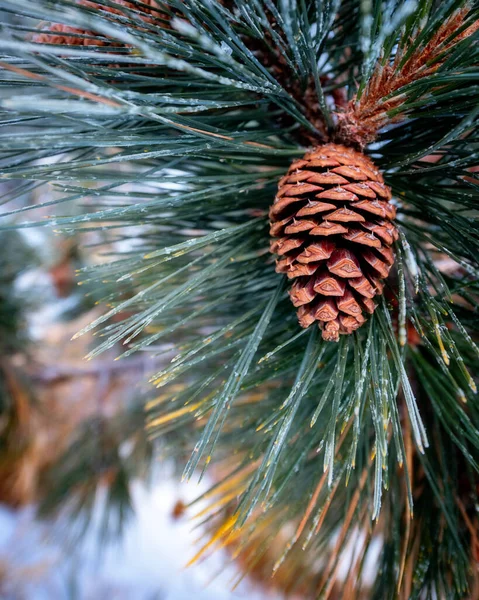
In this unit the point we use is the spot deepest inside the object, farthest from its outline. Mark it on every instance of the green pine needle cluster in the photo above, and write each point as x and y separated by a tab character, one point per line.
169	142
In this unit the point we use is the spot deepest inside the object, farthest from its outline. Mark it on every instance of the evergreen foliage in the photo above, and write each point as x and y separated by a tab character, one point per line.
171	134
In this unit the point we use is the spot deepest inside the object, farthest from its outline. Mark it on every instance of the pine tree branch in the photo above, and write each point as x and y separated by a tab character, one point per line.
387	97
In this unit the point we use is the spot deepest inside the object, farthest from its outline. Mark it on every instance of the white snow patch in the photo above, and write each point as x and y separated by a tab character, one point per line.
148	564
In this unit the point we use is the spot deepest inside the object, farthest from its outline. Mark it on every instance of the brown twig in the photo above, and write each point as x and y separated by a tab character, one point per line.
360	123
57	373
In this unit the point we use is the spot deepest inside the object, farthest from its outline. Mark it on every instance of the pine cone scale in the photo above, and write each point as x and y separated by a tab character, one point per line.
333	230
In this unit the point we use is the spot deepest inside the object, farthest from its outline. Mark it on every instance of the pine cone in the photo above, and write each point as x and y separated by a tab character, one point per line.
333	219
67	35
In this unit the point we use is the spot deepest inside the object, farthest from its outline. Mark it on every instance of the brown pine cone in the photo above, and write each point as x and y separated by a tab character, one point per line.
67	35
332	216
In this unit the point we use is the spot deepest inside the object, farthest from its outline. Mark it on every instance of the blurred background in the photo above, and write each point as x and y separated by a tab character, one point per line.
88	507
